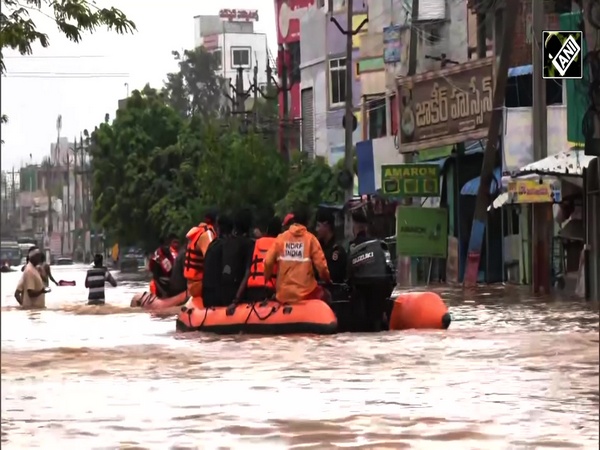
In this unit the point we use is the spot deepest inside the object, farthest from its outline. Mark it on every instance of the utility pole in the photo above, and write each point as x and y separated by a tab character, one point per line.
69	203
349	116
542	213
83	199
283	130
255	102
491	146
14	197
76	185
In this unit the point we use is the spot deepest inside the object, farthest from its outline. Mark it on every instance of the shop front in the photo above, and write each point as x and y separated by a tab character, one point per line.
554	185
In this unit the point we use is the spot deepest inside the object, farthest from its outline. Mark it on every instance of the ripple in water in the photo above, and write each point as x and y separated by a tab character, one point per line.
511	372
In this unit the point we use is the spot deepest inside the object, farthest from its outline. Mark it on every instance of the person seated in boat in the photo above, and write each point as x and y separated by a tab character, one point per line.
334	253
31	292
95	280
174	245
46	272
295	252
237	255
161	268
287	221
360	228
199	238
177	282
254	288
213	263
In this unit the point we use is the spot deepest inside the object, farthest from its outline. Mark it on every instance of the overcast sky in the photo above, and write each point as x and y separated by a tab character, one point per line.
34	92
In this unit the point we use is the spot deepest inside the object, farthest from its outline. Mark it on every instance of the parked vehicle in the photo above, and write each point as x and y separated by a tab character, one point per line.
10	253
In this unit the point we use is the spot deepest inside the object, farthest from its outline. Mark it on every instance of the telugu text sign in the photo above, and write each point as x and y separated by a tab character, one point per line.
532	191
445	107
410	180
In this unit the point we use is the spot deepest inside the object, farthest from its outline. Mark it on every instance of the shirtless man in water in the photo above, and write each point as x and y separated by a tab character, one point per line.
45	272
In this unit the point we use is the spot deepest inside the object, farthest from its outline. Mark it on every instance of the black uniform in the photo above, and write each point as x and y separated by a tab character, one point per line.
336	258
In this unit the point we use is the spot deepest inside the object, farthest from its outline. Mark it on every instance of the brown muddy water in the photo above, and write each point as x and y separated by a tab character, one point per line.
510	373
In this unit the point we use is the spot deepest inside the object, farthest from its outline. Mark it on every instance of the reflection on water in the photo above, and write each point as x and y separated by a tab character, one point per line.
511	373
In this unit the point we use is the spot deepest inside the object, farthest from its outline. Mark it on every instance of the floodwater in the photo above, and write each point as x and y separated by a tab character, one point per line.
510	373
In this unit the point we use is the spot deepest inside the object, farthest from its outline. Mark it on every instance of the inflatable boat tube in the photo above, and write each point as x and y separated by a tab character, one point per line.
268	317
420	311
146	300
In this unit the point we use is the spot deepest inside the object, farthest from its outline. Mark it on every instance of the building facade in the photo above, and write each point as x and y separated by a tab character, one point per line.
231	36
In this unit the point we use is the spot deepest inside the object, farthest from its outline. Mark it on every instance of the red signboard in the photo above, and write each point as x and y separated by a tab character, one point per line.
289	13
210	42
239	15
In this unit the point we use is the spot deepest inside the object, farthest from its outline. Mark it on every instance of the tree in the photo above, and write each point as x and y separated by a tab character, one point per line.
196	89
72	17
131	170
3	120
312	182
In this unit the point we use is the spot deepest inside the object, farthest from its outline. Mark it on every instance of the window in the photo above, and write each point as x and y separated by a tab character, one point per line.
240	56
337	81
218	58
294	69
336	5
377	109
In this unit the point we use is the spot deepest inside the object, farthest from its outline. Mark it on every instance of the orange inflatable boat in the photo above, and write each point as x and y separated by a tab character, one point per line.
419	310
149	301
268	317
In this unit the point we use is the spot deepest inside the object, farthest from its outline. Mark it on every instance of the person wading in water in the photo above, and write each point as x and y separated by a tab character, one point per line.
95	279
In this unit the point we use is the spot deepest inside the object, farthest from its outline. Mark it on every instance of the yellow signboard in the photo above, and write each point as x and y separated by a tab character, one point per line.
534	191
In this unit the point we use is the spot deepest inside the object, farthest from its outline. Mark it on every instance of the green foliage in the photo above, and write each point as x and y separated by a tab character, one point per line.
72	17
195	89
312	182
170	155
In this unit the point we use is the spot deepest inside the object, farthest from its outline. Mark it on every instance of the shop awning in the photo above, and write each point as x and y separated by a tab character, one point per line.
568	163
499	202
472	186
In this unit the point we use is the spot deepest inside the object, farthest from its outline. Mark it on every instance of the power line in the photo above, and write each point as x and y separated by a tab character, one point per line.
54	56
59	75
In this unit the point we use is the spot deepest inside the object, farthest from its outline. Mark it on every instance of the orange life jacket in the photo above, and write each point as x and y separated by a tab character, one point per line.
257	269
193	268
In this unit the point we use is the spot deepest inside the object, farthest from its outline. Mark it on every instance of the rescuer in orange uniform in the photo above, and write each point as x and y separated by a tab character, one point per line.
199	238
295	251
254	287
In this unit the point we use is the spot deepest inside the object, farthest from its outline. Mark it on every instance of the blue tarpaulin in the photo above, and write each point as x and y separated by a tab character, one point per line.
520	71
472	186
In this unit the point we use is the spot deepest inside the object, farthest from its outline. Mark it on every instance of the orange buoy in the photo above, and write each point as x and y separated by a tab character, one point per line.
419	310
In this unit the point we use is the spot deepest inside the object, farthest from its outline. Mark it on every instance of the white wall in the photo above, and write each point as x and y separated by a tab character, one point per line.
453	33
313	73
257	43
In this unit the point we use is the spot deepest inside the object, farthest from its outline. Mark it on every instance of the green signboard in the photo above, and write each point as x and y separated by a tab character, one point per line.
577	92
410	180
435	153
422	232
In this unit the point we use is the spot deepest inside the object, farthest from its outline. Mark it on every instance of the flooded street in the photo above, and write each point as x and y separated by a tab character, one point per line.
508	374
